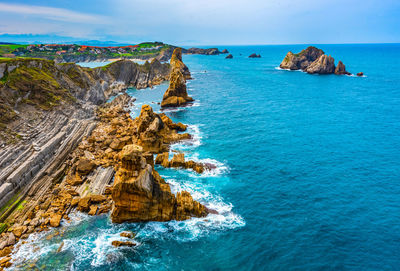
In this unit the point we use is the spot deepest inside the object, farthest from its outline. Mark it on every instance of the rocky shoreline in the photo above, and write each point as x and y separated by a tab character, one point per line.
63	157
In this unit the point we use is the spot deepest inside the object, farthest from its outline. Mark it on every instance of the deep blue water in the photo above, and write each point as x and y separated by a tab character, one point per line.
308	173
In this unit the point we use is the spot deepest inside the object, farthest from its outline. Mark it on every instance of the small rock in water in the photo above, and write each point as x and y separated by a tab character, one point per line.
360	74
127	234
123	244
60	247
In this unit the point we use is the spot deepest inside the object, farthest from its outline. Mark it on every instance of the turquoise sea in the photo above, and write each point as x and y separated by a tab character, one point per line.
307	176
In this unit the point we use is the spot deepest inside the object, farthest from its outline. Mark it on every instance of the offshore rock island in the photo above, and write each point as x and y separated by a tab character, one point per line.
314	61
62	145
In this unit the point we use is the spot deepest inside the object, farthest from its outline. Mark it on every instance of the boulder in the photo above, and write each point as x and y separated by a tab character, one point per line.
5	252
85	166
74	179
55	219
341	69
93	210
323	65
360	74
229	56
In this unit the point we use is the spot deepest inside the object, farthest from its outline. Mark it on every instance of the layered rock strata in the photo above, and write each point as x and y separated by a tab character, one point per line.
82	177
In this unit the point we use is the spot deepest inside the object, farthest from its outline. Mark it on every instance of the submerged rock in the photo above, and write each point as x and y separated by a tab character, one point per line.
254	56
323	65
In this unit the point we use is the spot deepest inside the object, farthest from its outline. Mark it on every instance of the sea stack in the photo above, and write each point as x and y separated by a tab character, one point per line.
341	69
140	194
225	51
176	94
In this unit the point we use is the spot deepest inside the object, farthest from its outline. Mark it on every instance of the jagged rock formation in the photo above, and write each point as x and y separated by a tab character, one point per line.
225	51
176	94
178	161
177	63
140	194
153	134
254	56
341	69
301	60
229	56
89	170
312	60
323	65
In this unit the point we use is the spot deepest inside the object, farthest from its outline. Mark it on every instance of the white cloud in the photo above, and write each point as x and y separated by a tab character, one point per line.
56	14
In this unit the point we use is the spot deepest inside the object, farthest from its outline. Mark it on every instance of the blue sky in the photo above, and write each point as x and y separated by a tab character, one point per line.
202	22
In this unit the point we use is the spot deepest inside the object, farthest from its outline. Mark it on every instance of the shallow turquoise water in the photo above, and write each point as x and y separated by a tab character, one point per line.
308	174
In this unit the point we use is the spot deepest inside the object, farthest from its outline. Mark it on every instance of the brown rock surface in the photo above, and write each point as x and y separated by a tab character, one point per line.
341	69
123	244
323	65
55	220
127	234
140	194
301	60
178	161
176	94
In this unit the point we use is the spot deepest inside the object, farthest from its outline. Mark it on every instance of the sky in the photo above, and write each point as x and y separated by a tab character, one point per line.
202	22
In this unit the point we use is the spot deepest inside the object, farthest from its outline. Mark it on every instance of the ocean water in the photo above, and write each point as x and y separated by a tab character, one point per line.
307	176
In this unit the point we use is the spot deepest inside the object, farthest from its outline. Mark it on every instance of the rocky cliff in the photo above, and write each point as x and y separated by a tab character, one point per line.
176	94
312	60
47	109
